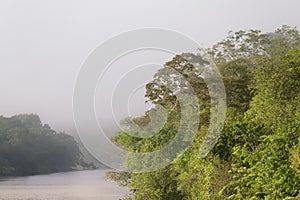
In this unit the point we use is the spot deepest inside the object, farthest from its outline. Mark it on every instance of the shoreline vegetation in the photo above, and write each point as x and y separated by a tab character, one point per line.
28	147
256	157
258	153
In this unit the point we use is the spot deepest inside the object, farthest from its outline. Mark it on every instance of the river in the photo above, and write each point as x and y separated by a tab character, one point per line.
76	185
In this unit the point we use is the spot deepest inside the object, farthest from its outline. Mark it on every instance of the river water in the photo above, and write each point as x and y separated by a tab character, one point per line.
77	185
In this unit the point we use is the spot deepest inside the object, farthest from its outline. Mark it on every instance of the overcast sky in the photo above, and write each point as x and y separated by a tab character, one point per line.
43	43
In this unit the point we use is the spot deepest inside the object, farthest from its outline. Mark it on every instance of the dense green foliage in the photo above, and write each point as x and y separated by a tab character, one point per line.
27	147
258	153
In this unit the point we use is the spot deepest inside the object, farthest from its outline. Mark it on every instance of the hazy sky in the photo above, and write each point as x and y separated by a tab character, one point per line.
43	43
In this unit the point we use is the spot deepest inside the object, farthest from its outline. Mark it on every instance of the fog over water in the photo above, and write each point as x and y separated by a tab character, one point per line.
44	43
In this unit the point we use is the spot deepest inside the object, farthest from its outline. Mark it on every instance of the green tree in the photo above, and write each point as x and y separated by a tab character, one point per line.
27	147
257	155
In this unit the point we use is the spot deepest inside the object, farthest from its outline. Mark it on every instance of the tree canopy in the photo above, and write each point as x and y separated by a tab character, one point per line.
258	153
27	147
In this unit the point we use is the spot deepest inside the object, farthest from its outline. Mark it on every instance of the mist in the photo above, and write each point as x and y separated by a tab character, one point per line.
44	43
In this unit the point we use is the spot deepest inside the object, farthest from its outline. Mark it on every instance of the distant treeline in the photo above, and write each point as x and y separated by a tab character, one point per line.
28	147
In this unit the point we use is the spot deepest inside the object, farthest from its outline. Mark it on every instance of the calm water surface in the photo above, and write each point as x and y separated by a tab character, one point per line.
79	185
